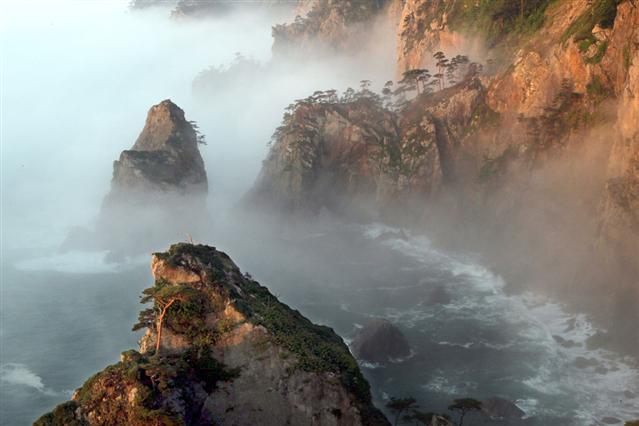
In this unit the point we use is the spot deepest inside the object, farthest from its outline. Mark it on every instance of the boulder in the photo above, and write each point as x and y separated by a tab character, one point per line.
380	341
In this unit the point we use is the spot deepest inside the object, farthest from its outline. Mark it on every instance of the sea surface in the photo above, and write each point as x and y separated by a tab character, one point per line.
67	316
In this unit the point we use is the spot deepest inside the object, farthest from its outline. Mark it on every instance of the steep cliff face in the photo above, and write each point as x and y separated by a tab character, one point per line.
230	354
326	154
357	156
164	158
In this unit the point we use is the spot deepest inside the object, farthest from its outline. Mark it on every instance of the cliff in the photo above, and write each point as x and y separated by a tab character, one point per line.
533	157
230	354
354	155
334	25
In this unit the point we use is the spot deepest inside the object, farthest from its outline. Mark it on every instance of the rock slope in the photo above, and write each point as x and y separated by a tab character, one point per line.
230	354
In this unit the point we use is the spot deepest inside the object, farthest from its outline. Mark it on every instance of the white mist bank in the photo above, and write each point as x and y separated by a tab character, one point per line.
79	77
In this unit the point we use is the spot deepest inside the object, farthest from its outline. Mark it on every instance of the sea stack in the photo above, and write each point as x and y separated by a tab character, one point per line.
159	186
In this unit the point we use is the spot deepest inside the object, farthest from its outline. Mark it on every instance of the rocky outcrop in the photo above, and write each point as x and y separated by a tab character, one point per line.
357	156
203	8
230	354
164	158
327	155
335	25
380	341
497	408
423	29
158	190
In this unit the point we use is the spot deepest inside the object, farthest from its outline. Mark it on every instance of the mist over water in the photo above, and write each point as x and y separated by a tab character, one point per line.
78	78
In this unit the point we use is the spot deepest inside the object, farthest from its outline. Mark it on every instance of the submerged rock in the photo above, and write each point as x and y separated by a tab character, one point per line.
502	409
380	341
230	354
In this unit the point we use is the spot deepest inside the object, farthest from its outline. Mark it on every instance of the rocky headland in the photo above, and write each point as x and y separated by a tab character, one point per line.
220	349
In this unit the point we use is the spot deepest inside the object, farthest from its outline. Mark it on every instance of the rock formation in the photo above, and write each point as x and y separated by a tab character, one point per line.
335	25
164	158
355	155
200	8
380	341
230	354
499	153
158	190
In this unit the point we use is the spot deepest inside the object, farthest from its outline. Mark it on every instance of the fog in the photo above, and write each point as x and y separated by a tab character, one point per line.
78	78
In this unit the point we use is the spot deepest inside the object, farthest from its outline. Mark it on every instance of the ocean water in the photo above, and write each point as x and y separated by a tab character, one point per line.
75	92
468	336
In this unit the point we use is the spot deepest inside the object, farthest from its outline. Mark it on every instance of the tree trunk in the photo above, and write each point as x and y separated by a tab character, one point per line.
159	326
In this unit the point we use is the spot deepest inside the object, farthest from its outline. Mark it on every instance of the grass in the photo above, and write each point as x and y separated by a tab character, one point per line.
602	13
497	19
317	348
599	54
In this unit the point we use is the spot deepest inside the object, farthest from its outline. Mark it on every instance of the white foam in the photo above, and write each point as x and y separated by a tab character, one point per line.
598	390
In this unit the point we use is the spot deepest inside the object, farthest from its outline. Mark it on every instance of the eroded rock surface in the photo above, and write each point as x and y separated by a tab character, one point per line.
230	354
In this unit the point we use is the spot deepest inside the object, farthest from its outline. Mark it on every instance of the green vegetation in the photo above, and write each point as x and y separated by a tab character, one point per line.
596	90
62	415
599	54
157	380
601	12
401	405
551	127
497	19
318	348
497	166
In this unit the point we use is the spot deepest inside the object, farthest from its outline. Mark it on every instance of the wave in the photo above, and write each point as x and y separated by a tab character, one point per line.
599	382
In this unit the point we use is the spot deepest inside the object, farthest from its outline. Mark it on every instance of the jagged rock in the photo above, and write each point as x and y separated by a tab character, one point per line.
230	354
164	158
357	156
380	341
329	24
158	190
327	155
501	409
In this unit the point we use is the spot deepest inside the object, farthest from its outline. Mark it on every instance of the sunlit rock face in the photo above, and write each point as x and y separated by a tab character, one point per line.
230	354
380	341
